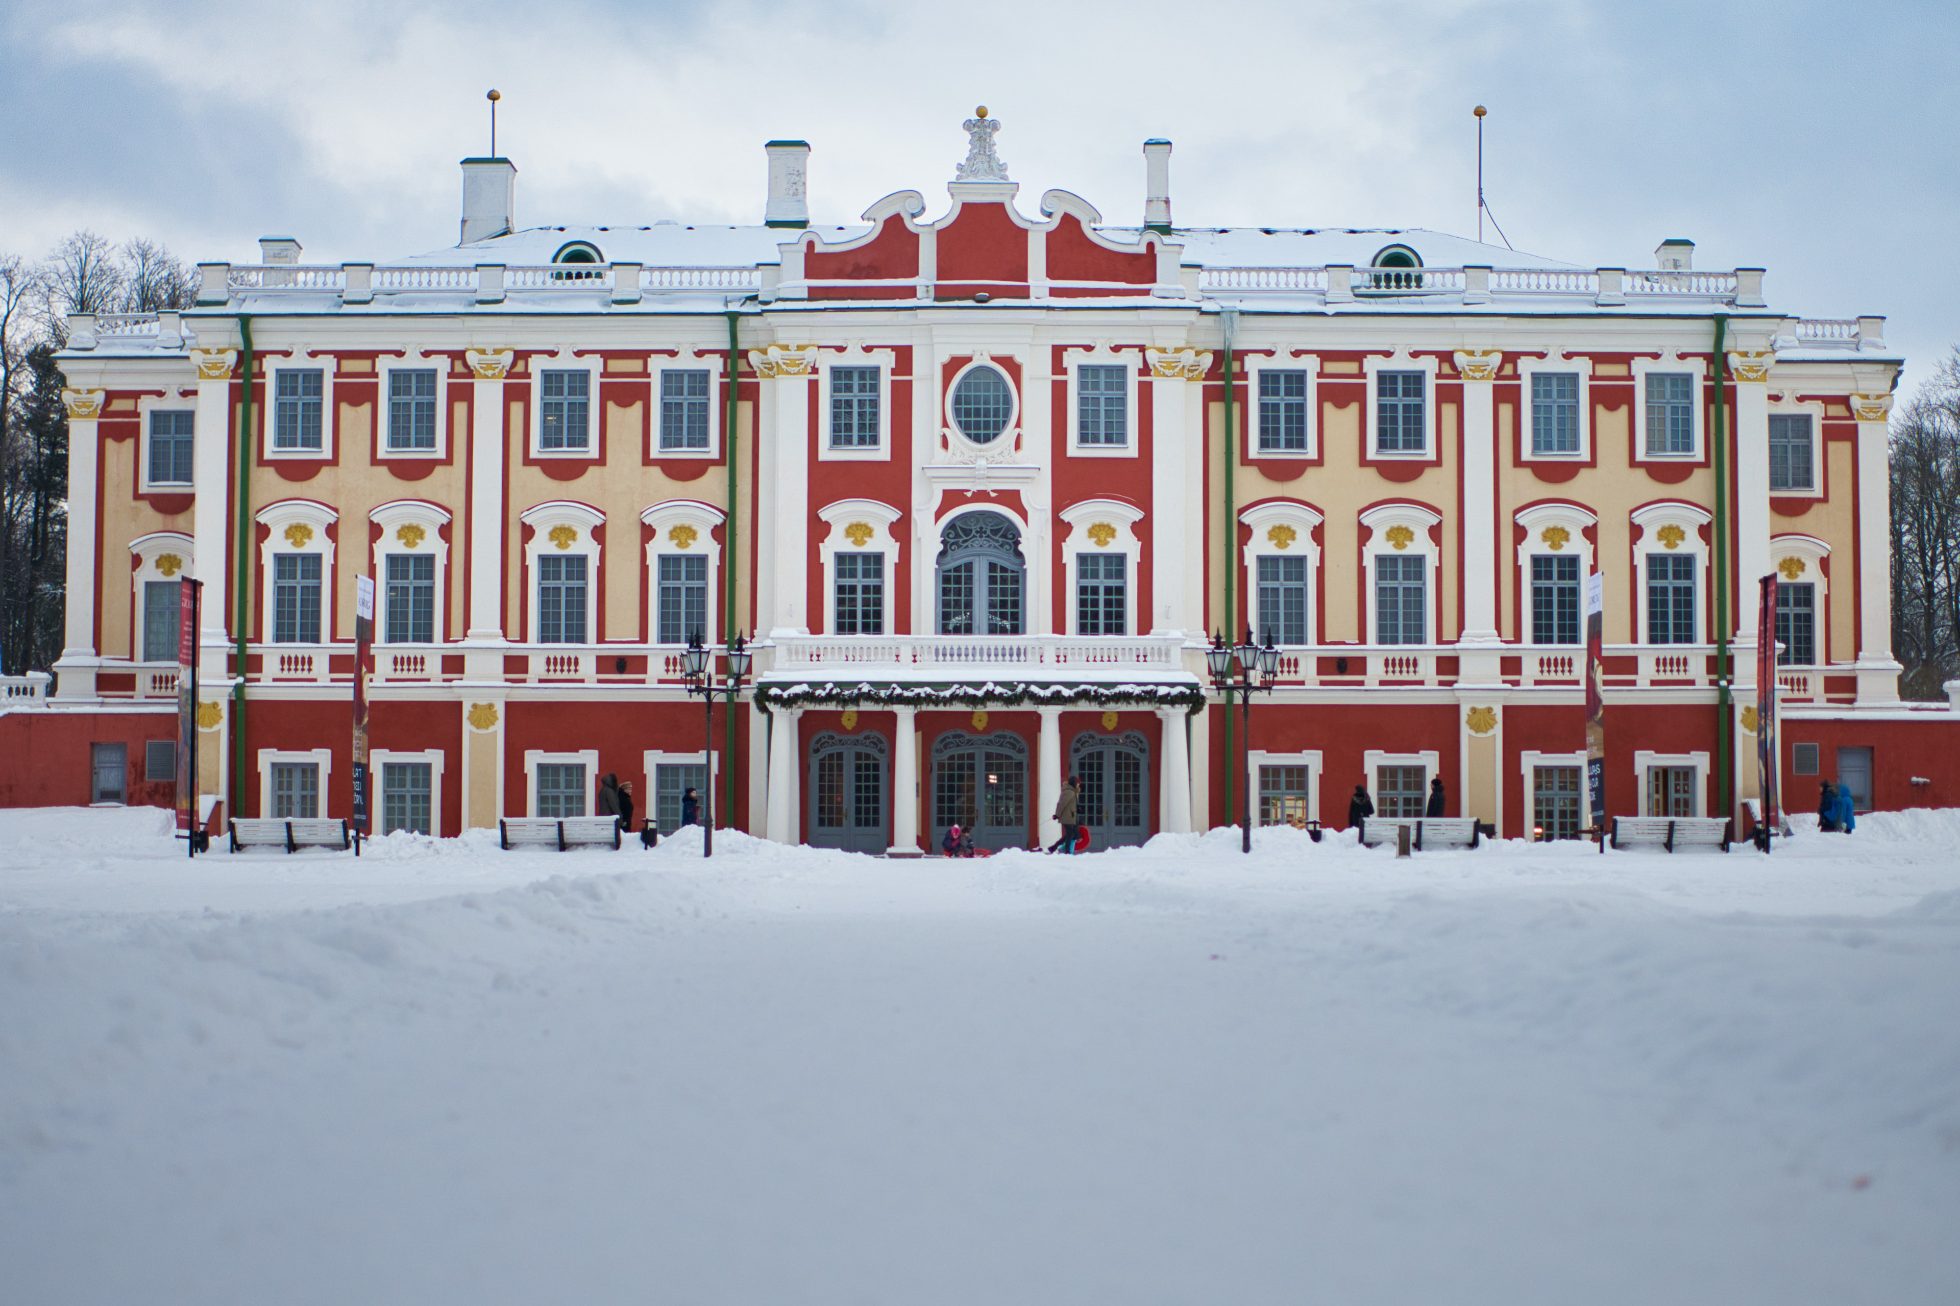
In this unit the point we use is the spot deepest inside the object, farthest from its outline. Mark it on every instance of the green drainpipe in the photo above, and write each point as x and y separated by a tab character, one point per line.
241	572
1230	542
1724	700
729	546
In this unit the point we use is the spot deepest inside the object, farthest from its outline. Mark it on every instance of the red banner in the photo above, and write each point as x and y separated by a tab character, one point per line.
187	706
1766	704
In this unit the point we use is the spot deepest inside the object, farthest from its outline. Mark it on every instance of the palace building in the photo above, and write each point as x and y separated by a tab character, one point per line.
978	483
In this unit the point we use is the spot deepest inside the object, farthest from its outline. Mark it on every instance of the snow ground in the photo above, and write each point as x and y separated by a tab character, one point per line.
443	1073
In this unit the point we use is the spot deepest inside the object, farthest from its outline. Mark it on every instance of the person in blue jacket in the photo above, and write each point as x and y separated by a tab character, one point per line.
1847	809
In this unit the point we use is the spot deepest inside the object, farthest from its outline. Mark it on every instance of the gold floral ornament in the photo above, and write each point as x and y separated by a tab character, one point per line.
83	404
1791	568
299	534
169	564
1109	721
859	534
682	535
214	364
979	720
411	535
1750	719
488	364
482	716
1481	720
1102	533
1282	536
209	715
1479	364
1555	537
850	718
1871	407
1400	537
564	537
1671	537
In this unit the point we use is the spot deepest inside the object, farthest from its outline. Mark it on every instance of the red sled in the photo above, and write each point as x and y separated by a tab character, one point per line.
1082	839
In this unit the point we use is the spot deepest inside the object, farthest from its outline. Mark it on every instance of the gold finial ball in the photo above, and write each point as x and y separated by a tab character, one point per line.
1479	111
980	111
494	95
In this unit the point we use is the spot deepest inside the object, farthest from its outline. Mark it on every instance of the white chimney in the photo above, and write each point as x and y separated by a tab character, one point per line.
489	199
1675	255
278	251
1157	184
789	177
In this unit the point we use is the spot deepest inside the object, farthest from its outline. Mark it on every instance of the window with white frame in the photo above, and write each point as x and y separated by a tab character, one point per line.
1102	405
1554	558
1670	558
1282	561
685	409
1285	794
1401	598
411	410
1284	413
1792	453
1671	784
1555	598
298	406
859	554
564	410
171	440
562	562
859	600
296	579
1282	599
1796	623
295	790
680	598
1401	790
162	611
683	563
1401	412
856	419
407	797
1671	598
159	563
562	789
1400	559
1554	413
1669	404
1558	800
408	602
1102	594
982	403
563	585
1101	553
670	776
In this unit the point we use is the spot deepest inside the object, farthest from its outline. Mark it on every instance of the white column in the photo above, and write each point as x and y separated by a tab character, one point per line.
1048	772
1176	487
905	784
486	521
785	472
783	752
1478	368
1751	373
84	468
211	523
1175	803
1878	670
1200	731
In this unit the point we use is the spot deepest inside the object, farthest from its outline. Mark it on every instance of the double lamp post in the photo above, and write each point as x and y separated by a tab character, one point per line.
1243	669
697	670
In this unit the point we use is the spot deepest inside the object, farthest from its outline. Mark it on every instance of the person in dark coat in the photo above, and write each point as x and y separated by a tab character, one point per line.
1360	807
1065	813
609	795
624	797
1437	800
1847	809
691	806
956	842
1827	807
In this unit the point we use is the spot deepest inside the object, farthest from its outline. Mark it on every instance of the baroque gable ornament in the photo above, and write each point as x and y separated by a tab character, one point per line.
1102	533
1870	408
1555	537
1479	364
1179	364
1481	720
482	716
981	164
859	533
1671	536
489	364
214	364
563	537
683	536
1282	535
783	360
82	404
1400	537
169	564
299	534
1751	364
1791	568
410	535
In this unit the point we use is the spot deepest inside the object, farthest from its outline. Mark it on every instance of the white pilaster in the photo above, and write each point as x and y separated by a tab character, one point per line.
1048	772
1200	731
84	463
1878	670
1478	368
782	547
784	727
211	523
1177	482
1751	373
486	522
1175	787
905	784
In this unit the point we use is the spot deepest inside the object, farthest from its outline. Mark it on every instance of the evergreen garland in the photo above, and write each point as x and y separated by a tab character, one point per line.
988	694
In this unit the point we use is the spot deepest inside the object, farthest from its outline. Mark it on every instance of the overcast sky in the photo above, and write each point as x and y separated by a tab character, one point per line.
1820	140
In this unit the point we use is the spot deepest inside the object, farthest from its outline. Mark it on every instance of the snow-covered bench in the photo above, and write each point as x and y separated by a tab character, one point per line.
1672	833
292	835
1424	831
557	832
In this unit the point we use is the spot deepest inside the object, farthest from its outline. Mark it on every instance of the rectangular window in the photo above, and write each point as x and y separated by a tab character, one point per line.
1796	624
1401	598
1791	464
1670	413
684	409
1283	795
160	761
296	402
1556	805
1101	588
295	791
162	609
1670	598
170	447
1670	791
412	410
1399	418
561	599
860	593
671	781
296	598
1283	410
565	409
854	416
407	794
1283	599
1554	412
1401	791
409	584
681	600
1805	759
1555	599
561	789
1102	404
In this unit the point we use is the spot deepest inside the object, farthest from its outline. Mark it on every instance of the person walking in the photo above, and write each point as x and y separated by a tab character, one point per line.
624	797
691	807
609	794
1827	807
1847	809
1437	798
1360	808
1065	813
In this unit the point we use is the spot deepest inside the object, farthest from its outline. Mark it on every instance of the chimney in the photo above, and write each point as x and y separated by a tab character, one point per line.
1157	184
489	199
1675	255
789	173
281	251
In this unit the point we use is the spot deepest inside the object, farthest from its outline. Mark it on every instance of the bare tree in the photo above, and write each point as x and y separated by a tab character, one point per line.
82	275
1925	476
154	279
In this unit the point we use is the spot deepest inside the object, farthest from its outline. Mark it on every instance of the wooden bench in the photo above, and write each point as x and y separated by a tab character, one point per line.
1424	831
559	833
292	835
1673	833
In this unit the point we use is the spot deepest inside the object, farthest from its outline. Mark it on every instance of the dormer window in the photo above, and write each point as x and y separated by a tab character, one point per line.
585	256
1396	267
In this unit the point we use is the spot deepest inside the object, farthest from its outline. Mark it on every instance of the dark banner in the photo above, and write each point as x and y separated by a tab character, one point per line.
1596	700
1766	703
187	705
363	667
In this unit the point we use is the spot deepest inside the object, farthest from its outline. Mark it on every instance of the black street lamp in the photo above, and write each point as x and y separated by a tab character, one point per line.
1243	670
697	669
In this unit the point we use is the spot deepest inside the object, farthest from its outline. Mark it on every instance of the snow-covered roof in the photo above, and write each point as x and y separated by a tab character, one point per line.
661	244
1293	247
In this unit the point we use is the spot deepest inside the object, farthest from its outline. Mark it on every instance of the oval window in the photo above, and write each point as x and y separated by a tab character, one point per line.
983	403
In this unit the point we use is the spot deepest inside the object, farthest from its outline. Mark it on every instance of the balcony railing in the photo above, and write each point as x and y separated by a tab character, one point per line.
1031	656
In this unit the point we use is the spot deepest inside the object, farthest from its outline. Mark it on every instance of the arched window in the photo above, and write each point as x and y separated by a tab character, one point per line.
578	252
982	577
983	404
1397	267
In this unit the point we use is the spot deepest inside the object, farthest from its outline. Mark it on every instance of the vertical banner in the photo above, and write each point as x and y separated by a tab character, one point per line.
363	663
1766	707
1596	702
187	708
